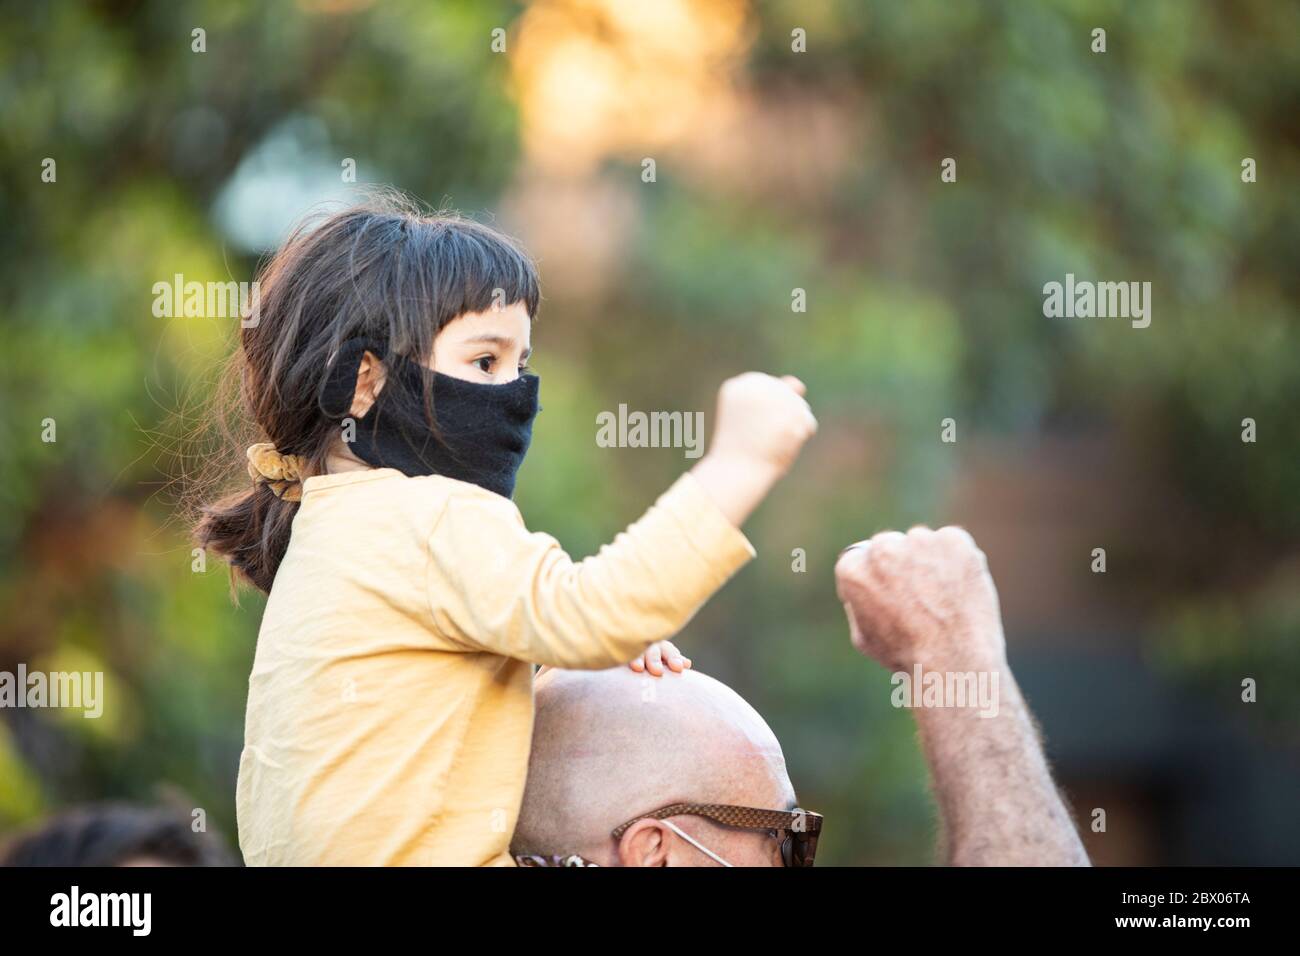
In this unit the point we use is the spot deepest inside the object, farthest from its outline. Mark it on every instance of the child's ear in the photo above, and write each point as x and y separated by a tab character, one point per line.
370	382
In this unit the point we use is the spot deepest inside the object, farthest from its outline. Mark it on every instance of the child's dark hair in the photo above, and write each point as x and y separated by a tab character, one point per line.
384	271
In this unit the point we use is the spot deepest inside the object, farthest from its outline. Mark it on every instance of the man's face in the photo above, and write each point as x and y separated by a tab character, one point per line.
740	847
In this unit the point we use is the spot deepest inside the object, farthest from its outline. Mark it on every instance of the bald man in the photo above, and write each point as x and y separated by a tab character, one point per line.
611	745
633	770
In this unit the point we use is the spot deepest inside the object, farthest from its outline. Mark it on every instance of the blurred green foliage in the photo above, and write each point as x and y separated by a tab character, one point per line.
925	300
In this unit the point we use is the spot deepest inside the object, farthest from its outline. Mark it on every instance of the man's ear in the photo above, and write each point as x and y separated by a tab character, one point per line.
370	382
645	843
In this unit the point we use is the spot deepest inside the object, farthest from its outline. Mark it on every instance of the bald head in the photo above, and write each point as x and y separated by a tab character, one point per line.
609	745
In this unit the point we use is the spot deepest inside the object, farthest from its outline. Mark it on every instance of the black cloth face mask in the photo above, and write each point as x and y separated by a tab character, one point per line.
484	430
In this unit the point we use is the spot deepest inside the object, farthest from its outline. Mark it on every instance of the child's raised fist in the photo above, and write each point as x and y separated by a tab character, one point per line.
762	423
762	420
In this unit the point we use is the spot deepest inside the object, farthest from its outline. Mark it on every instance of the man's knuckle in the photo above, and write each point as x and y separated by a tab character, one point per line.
956	533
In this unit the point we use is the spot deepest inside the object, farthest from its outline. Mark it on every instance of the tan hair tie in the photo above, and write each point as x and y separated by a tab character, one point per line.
283	474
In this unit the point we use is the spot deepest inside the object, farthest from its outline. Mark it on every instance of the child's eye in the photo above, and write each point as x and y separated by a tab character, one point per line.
524	368
485	364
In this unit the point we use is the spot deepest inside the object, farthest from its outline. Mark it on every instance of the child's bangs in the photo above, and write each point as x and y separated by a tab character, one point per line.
446	267
476	269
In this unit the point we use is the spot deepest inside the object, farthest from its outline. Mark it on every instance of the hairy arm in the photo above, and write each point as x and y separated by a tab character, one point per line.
926	599
997	802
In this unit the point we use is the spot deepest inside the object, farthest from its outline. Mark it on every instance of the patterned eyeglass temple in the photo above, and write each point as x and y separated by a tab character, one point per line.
802	827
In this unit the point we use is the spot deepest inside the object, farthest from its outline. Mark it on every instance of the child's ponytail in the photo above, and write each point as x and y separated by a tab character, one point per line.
250	529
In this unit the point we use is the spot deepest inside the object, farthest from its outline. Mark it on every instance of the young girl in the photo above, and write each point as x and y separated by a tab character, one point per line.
390	704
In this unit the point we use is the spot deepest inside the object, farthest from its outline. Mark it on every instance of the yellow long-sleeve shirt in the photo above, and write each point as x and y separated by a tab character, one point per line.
390	707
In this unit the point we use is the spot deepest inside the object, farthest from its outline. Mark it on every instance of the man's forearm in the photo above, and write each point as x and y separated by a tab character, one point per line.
925	601
996	798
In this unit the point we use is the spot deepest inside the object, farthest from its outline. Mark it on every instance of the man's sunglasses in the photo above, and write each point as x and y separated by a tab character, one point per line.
797	830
